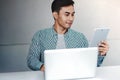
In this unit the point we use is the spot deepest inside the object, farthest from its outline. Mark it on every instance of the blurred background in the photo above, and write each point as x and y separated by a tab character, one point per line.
20	19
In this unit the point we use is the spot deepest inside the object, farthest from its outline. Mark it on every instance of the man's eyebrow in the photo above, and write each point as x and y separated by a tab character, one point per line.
69	12
73	12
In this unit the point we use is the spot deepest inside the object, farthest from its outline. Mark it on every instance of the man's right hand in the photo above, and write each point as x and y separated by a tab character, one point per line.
42	68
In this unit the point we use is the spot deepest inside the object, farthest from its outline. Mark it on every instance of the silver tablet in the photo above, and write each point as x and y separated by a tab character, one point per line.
99	35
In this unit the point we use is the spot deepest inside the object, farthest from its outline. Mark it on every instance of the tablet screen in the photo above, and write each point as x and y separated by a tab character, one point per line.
99	35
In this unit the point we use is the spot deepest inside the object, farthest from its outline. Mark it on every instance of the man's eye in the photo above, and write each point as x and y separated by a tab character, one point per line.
72	14
67	14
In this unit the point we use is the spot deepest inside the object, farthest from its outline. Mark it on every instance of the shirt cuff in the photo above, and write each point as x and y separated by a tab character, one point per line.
38	66
100	60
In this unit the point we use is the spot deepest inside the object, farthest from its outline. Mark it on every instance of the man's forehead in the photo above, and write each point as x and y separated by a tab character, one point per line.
69	9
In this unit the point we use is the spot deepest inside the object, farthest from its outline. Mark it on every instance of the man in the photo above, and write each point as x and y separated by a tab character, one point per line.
59	36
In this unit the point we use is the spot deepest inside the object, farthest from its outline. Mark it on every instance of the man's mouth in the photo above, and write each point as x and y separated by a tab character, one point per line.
69	23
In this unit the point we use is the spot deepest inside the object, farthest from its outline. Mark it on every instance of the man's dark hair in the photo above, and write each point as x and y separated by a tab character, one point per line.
57	4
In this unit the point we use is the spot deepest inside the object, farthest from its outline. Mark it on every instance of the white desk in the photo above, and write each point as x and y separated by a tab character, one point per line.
103	73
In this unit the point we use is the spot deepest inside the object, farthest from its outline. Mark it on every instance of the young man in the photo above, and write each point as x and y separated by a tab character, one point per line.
59	36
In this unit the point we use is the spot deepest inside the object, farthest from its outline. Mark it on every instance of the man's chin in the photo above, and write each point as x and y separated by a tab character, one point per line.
68	26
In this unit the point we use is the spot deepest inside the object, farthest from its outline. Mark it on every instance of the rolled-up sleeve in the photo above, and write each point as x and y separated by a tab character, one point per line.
33	58
100	60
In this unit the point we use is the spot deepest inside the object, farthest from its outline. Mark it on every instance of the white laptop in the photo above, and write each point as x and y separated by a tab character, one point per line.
75	63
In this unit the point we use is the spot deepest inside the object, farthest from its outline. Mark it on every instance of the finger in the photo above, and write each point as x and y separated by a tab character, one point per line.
102	51
104	43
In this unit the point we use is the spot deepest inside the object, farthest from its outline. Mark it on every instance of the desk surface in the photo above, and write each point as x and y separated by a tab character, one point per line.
103	73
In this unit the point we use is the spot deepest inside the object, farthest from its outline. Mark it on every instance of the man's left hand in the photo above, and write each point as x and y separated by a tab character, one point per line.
103	48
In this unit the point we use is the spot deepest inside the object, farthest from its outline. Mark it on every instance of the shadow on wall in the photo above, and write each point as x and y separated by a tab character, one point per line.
13	58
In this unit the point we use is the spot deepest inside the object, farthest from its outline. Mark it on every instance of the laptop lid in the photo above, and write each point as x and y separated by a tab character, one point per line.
70	63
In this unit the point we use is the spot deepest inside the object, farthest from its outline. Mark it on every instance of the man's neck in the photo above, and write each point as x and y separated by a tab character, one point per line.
60	30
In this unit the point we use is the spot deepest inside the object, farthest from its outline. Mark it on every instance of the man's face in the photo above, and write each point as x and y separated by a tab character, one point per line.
64	18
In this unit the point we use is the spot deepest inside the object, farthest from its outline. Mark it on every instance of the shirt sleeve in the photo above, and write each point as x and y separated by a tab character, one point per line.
100	57
100	60
33	58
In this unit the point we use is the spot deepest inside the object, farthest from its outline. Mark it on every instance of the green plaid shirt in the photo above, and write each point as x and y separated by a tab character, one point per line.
47	39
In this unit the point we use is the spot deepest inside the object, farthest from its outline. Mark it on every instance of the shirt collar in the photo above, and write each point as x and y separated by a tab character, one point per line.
55	33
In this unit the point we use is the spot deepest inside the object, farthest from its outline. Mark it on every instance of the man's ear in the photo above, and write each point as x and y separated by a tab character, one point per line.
55	15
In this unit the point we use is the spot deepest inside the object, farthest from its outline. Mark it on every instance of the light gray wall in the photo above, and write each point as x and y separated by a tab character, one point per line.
99	13
20	19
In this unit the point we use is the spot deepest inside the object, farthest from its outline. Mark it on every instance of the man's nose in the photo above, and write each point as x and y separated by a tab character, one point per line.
71	17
